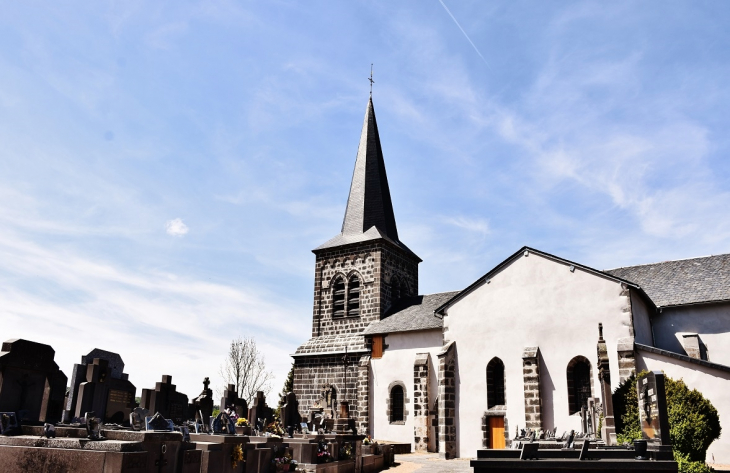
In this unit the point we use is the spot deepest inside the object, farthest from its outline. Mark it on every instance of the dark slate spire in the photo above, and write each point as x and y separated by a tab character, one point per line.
369	202
369	214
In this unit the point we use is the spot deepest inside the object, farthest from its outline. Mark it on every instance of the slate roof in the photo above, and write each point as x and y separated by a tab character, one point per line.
369	213
688	281
415	313
332	344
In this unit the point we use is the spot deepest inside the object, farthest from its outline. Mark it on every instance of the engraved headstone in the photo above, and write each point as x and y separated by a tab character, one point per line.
230	399
260	410
99	384
166	400
653	408
32	385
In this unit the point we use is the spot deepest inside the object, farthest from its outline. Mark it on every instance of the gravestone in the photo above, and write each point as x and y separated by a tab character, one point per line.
166	401
653	409
230	399
202	406
30	381
260	410
112	399
106	388
290	411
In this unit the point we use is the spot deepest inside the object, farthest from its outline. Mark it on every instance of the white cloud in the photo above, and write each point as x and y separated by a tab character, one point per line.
176	227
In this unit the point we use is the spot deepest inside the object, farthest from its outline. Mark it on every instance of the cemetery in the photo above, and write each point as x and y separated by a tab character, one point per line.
96	426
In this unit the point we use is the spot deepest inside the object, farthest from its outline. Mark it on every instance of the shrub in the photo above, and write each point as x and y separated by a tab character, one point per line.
693	421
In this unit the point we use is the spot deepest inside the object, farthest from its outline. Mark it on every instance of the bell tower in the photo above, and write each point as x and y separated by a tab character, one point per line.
359	274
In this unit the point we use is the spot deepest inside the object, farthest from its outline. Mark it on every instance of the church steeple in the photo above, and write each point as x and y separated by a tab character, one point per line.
369	213
369	203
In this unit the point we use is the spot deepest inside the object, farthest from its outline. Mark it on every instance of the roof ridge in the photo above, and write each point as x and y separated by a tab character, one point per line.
667	261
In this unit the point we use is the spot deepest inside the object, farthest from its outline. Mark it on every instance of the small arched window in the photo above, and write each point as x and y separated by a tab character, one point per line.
338	298
495	383
579	383
396	404
353	297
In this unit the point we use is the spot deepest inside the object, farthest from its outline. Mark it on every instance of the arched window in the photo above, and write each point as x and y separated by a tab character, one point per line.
338	298
495	383
353	297
396	403
579	383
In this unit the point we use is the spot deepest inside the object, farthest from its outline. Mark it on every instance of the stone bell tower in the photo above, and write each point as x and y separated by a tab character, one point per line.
359	274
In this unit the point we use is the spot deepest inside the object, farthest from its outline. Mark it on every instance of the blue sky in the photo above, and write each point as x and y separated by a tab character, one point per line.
167	167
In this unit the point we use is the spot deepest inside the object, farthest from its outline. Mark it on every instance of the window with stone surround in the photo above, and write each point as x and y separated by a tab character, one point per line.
495	383
338	297
396	404
580	383
353	296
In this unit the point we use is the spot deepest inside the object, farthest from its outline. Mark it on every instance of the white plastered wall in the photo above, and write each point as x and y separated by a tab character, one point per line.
397	365
534	301
710	321
642	319
712	383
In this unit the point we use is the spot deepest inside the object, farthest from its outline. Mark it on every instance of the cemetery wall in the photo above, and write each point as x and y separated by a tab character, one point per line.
396	366
710	321
711	382
540	303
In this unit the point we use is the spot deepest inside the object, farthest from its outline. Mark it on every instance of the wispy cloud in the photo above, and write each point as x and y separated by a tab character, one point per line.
176	227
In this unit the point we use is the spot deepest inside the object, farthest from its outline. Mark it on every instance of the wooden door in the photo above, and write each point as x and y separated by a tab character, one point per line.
496	432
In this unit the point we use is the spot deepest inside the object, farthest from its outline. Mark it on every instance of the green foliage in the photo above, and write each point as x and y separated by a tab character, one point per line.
685	465
626	410
693	421
216	411
288	387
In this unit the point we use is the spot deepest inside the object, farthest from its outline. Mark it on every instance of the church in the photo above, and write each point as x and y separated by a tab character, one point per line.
527	345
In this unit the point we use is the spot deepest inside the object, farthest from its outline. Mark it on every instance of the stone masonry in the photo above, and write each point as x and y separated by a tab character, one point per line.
531	376
421	402
447	401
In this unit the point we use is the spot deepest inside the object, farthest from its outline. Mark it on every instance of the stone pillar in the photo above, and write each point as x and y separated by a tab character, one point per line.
608	431
363	395
447	401
531	376
626	358
420	402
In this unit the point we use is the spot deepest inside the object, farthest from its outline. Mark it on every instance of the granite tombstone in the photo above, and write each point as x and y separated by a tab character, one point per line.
165	400
30	382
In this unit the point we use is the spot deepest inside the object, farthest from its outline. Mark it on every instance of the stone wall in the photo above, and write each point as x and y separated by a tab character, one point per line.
375	264
447	401
312	373
531	377
421	402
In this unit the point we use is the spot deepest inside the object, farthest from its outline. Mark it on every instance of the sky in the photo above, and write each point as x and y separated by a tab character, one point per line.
167	167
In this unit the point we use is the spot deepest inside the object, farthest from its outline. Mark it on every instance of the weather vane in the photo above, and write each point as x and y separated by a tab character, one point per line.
371	79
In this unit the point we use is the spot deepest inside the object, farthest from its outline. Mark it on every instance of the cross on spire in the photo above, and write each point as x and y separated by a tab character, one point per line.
371	79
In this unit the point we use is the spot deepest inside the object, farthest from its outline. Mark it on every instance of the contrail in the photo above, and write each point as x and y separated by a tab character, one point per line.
462	30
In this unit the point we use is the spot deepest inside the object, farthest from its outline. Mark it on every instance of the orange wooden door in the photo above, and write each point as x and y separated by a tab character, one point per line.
496	432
